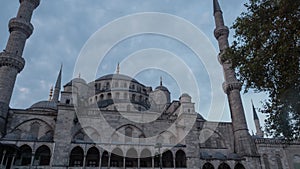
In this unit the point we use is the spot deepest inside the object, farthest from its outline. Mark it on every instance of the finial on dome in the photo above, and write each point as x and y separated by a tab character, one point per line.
51	93
118	68
79	75
161	83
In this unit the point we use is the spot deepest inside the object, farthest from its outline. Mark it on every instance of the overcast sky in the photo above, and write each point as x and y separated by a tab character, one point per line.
64	28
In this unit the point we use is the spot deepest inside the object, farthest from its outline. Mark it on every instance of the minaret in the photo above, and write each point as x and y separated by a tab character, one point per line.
11	61
57	87
259	132
243	144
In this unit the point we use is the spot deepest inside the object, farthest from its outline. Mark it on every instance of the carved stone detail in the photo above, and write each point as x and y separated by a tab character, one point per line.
17	24
229	86
16	62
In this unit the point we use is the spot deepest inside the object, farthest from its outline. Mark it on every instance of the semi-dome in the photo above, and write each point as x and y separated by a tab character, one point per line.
44	105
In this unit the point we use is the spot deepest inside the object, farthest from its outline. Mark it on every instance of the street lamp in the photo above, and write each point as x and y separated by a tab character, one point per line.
159	146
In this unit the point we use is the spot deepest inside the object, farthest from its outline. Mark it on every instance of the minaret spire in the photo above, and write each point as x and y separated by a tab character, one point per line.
118	68
216	6
259	132
57	86
11	60
161	81
243	143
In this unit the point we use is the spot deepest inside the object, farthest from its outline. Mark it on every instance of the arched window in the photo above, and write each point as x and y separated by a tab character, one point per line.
76	157
131	159
160	139
92	157
116	84
128	134
266	161
180	159
133	97
239	166
42	156
146	159
115	138
24	157
116	159
117	95
107	85
223	166
278	160
101	97
104	159
296	161
34	130
208	166
167	159
109	96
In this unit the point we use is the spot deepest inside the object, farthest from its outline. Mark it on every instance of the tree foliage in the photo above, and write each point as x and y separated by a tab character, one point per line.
266	55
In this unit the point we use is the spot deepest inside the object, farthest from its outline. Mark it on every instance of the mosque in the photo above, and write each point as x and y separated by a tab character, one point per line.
116	121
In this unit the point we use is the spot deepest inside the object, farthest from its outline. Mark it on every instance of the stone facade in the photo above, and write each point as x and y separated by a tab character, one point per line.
117	122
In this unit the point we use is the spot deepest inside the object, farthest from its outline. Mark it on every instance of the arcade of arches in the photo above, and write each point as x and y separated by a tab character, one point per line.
131	160
93	158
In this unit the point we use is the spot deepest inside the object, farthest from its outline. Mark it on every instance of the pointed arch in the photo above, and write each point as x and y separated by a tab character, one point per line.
104	159
223	166
266	161
208	166
76	157
239	166
92	157
42	156
180	159
167	159
146	159
131	159
24	156
116	159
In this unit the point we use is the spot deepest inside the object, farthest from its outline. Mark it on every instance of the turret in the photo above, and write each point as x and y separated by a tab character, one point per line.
243	144
11	61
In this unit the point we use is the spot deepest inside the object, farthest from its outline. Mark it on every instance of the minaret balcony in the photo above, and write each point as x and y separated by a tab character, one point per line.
7	60
18	24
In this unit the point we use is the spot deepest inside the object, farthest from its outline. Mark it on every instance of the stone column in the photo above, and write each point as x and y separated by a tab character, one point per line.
243	143
11	60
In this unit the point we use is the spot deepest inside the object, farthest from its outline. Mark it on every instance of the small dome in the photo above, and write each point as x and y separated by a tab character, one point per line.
162	88
44	105
185	98
77	80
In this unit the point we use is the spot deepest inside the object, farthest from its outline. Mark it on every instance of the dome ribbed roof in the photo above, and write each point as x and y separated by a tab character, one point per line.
116	77
77	80
163	88
44	105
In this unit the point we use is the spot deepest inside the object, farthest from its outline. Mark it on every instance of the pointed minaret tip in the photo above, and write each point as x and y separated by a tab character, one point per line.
118	68
161	81
217	7
57	86
254	111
